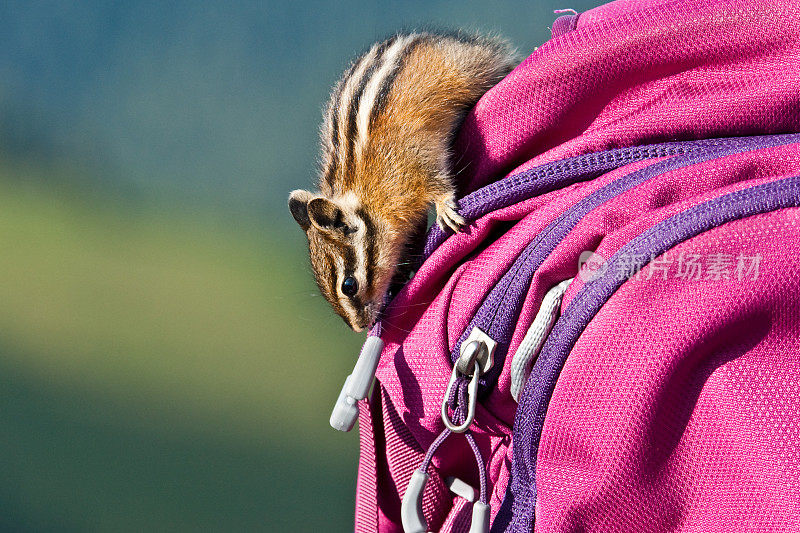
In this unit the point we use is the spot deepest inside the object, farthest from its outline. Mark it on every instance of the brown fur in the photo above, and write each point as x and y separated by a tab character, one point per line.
398	169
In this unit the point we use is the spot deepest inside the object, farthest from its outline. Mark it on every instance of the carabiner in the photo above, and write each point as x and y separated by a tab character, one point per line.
472	397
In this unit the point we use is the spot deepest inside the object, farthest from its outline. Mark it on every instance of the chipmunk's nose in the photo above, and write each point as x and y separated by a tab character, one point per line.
366	317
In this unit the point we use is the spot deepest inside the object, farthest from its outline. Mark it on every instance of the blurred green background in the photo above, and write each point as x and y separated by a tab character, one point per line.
165	360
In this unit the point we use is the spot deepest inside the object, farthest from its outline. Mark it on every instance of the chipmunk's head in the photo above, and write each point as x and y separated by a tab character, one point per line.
346	253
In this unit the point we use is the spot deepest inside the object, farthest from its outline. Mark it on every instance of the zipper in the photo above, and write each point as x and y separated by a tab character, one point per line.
475	359
518	510
551	176
508	295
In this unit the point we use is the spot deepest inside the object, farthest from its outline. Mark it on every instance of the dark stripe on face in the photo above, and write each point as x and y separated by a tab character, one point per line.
324	270
354	105
383	94
327	282
332	292
344	251
369	241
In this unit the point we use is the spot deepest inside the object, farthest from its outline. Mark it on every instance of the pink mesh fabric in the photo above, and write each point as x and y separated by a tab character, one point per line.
677	408
624	74
415	367
640	72
367	483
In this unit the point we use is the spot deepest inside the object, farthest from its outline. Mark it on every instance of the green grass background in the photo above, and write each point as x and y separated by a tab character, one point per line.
159	371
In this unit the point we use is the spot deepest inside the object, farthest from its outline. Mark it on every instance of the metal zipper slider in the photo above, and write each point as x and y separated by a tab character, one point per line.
477	356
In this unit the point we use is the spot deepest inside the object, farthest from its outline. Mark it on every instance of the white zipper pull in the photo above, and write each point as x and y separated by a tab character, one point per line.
481	512
357	385
460	488
411	506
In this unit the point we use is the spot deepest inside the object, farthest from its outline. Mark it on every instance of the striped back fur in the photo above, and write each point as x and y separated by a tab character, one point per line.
385	158
406	84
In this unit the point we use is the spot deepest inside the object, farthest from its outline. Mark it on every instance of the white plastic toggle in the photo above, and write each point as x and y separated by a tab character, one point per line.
481	512
411	507
460	488
357	385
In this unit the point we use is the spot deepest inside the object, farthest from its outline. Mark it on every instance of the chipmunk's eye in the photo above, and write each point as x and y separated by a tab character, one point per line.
349	286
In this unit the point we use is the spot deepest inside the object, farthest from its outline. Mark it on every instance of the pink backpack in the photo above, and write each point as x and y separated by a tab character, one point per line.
613	341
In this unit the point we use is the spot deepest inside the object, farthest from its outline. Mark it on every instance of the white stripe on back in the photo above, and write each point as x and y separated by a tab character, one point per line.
375	84
351	86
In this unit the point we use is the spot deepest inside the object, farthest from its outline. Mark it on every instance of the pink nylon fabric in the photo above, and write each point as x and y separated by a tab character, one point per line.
415	379
635	73
677	410
629	73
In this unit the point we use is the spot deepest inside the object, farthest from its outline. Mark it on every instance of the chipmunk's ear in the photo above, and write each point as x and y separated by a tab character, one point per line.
326	215
298	206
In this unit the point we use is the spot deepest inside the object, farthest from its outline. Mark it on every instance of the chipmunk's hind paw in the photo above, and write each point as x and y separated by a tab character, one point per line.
447	215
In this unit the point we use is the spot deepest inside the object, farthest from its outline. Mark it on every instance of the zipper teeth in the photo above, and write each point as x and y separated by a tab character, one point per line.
480	202
585	162
533	246
626	157
604	161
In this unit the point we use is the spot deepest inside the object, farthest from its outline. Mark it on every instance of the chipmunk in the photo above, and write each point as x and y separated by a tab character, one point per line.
386	140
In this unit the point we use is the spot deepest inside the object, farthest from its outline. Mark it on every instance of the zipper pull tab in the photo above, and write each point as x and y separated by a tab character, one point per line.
411	507
477	356
481	512
357	385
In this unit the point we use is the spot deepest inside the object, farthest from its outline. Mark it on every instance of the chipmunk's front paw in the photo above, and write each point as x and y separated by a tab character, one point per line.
447	215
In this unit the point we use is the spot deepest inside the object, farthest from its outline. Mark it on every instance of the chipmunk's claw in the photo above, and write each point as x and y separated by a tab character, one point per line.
447	215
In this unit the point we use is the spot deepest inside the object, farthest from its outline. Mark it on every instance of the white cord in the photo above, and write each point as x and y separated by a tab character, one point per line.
535	337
